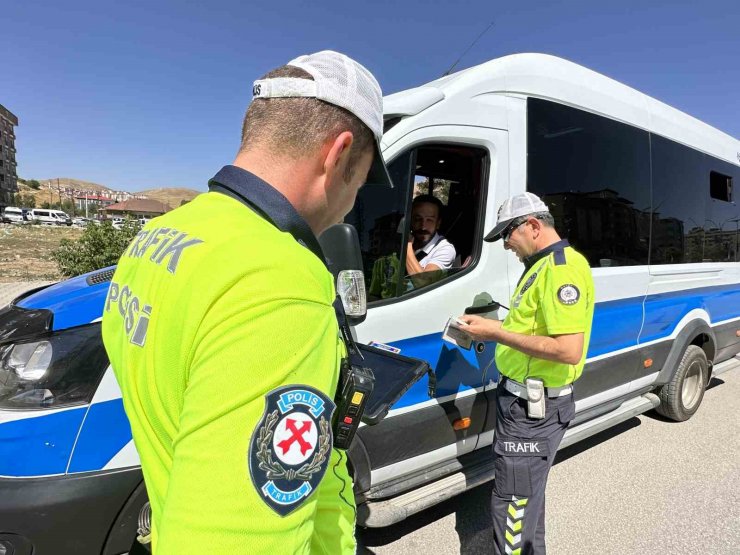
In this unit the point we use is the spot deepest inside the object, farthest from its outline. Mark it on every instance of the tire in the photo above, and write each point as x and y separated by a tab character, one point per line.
680	398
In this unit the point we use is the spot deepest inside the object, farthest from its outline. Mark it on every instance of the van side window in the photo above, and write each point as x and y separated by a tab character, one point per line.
594	174
453	175
697	224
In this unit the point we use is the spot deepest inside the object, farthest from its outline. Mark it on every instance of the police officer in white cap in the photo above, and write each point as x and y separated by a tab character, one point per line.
542	345
230	387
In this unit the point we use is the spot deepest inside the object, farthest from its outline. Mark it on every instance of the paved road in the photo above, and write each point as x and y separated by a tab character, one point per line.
646	486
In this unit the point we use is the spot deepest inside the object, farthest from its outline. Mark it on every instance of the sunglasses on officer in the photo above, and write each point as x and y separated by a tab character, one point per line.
506	233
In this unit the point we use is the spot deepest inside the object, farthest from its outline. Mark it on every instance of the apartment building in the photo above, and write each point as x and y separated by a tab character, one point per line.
8	175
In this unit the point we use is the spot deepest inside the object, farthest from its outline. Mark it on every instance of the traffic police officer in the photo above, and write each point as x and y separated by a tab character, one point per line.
541	350
221	330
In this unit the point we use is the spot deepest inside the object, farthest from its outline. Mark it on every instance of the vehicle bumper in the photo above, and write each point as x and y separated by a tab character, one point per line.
63	514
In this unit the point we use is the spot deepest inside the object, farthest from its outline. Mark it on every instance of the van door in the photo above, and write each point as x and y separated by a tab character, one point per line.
465	168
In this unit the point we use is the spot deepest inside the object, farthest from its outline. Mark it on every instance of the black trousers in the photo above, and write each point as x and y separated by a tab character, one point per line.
524	450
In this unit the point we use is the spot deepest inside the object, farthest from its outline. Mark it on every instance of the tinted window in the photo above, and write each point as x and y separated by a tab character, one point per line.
594	174
689	225
720	186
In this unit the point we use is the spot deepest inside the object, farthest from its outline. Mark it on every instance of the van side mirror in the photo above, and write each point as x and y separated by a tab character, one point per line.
341	248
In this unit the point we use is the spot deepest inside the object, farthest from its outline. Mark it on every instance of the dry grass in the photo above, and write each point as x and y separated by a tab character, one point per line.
25	251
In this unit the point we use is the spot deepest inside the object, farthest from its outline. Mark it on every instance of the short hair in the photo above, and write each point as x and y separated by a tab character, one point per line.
299	126
545	217
429	199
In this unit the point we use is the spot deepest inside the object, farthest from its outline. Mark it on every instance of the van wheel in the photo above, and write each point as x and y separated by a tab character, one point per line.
680	398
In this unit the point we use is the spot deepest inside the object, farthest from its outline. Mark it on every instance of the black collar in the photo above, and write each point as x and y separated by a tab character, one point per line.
531	260
268	202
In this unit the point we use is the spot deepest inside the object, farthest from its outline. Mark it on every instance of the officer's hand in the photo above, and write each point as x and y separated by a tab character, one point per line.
479	328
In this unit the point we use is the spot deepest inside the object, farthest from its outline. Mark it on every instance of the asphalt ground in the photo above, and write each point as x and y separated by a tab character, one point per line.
648	485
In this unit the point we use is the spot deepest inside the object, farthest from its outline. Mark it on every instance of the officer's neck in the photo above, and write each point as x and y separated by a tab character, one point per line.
542	246
294	179
546	238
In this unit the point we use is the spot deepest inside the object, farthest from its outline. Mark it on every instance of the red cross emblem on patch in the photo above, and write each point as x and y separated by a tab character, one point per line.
295	438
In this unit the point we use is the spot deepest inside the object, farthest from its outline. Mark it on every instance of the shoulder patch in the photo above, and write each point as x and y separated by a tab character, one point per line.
290	447
569	294
559	257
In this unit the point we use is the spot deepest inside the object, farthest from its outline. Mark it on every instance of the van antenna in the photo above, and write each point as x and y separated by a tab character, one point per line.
468	50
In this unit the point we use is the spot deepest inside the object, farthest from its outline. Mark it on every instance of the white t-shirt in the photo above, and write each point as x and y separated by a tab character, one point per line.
439	251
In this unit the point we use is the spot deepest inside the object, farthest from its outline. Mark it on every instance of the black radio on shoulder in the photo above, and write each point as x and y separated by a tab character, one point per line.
357	384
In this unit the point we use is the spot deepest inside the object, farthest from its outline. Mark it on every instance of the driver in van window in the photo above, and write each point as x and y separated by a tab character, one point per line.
427	250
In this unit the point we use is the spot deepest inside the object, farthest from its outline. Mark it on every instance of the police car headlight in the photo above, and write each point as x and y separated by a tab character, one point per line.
30	361
58	369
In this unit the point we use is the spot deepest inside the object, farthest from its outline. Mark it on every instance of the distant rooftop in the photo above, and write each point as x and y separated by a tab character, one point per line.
139	206
7	114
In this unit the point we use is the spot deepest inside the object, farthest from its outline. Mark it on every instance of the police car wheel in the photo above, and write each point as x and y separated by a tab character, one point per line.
680	398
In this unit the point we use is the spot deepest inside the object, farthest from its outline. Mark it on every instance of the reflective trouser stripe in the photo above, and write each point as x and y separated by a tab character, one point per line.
514	522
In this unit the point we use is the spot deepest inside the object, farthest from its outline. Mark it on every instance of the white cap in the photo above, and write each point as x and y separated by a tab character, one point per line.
338	80
512	208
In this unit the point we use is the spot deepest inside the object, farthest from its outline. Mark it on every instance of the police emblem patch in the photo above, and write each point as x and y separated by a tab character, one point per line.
290	447
569	294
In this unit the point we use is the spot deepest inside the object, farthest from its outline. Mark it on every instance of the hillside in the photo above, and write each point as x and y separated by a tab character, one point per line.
67	182
168	195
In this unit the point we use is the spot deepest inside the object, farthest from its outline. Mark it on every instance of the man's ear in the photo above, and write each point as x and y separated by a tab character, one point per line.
536	226
336	153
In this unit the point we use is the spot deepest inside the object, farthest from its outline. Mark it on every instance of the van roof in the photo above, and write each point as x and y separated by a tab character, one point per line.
553	78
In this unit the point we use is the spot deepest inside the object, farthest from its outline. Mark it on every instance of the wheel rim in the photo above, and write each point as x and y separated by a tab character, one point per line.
691	390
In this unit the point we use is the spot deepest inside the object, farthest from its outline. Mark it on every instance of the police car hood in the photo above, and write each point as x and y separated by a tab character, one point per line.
73	302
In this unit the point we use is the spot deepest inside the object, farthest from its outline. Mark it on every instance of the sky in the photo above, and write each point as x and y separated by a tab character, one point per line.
143	94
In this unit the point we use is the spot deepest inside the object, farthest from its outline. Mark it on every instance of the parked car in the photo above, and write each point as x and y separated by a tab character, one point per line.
50	217
12	215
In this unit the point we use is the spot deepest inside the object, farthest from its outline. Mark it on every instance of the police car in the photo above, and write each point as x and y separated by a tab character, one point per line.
642	190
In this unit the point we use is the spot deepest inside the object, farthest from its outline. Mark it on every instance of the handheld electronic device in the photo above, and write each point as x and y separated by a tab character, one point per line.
454	333
535	398
357	397
394	375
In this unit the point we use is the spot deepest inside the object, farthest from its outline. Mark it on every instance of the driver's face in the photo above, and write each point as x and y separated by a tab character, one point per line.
424	221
